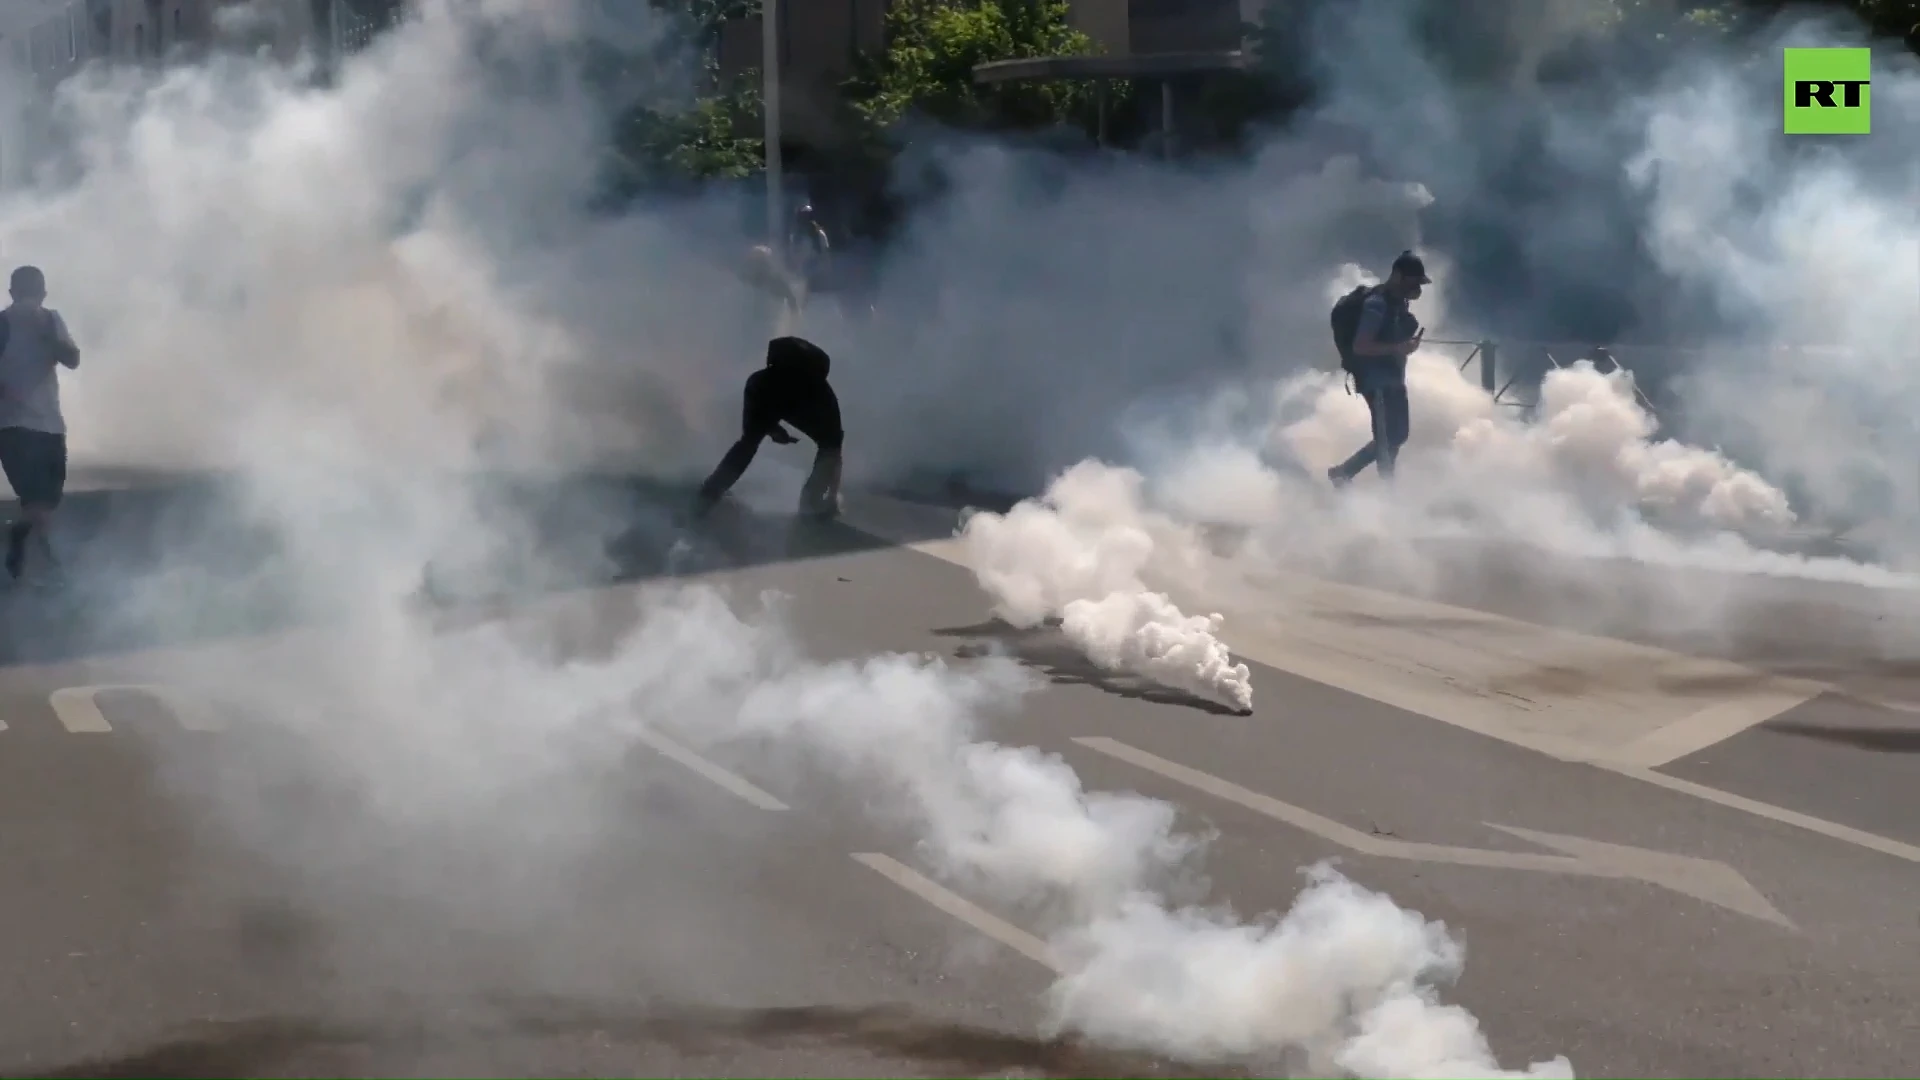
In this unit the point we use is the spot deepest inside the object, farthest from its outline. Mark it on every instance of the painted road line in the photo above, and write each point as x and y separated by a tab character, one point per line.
1597	696
78	707
1707	880
1576	697
961	908
727	781
1846	834
1712	725
1443	700
78	712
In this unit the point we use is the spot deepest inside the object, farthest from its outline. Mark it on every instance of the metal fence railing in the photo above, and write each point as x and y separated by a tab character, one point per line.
1547	355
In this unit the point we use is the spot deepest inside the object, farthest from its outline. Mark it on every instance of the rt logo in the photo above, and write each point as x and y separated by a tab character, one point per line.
1827	92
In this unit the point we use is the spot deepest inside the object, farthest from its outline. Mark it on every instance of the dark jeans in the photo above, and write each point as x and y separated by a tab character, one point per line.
35	463
1386	396
815	414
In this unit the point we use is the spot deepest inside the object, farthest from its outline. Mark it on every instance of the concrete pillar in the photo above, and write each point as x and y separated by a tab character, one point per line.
1166	118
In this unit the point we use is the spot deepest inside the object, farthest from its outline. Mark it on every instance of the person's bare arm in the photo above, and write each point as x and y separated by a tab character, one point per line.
64	350
1366	337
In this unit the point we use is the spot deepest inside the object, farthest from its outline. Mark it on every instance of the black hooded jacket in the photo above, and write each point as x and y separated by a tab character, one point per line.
793	389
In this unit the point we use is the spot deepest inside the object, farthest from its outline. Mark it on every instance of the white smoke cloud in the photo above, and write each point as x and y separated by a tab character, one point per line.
1585	467
1344	977
1589	439
1078	555
1816	258
357	300
356	297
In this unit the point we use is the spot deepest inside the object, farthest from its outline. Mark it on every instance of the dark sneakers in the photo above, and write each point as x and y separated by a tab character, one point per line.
17	549
819	506
699	509
50	575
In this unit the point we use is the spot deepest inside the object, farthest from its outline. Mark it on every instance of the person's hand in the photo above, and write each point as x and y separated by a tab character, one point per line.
1412	344
782	436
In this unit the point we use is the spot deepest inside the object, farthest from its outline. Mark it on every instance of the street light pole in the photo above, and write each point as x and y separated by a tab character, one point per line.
770	105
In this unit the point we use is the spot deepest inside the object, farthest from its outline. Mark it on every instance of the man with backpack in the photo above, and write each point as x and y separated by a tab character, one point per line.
791	389
1375	331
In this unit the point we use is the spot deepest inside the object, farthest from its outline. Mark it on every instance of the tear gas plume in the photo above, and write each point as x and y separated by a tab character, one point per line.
1586	474
1814	249
1553	174
415	266
1590	442
1077	555
362	299
1345	978
357	301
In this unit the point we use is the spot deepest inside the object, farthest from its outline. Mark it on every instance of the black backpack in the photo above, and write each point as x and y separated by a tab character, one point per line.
1346	323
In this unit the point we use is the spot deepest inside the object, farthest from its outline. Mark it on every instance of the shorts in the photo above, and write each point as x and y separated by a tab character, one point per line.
36	465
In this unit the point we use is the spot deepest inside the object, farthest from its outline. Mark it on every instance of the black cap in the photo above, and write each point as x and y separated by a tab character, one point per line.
28	281
1409	266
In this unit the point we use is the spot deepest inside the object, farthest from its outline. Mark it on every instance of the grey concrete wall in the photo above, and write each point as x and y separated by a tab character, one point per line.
1183	25
1105	21
819	41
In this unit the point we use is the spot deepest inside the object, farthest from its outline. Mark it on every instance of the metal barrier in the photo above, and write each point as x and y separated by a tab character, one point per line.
1488	352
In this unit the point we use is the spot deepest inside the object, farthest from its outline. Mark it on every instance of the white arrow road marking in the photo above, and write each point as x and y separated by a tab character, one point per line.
1364	673
1706	880
79	710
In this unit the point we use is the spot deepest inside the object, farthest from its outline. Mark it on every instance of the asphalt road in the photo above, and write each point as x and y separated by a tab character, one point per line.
216	903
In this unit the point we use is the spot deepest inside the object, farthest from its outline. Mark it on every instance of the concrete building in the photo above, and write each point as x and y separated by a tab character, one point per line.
48	39
819	42
1144	27
44	41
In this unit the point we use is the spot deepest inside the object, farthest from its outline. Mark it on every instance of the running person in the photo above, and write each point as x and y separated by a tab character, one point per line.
34	344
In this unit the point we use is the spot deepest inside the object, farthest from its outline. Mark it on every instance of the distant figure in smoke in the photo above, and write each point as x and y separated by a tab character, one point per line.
762	270
808	247
791	389
34	344
1384	333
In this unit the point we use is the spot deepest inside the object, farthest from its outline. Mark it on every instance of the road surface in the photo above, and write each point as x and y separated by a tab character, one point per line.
1709	870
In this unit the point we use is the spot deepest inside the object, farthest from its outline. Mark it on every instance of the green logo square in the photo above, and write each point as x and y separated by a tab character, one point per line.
1827	92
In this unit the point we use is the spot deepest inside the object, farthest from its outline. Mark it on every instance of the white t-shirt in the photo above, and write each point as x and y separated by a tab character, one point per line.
29	387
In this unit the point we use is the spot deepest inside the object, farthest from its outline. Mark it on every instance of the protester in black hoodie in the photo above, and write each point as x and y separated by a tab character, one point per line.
791	389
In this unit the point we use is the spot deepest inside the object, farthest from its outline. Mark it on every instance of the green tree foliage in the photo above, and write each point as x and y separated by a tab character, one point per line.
933	47
709	18
667	139
1893	18
716	136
